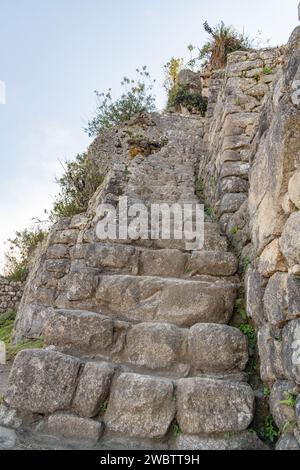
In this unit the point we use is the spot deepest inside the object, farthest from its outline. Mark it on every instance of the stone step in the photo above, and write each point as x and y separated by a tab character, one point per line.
213	240
162	263
143	406
204	348
148	299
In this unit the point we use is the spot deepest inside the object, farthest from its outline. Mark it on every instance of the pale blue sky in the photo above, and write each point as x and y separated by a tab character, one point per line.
54	53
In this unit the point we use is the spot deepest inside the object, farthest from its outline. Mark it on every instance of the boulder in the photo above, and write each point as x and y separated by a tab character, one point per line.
140	406
155	346
294	189
217	348
73	427
243	441
290	240
282	298
291	350
213	406
93	388
271	260
78	331
42	381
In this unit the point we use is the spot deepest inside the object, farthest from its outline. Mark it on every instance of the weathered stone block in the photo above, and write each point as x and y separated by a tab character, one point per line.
291	350
211	406
73	427
232	202
217	348
140	406
80	285
233	184
115	257
78	331
254	297
168	263
270	353
243	441
290	240
155	346
294	189
213	263
93	388
281	412
271	260
282	298
42	381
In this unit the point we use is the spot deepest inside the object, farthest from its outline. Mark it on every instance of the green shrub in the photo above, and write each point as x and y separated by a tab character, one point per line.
270	431
183	96
223	40
137	98
250	332
172	69
77	185
20	250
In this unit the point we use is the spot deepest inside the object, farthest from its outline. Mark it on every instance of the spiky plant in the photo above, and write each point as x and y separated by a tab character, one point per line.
224	40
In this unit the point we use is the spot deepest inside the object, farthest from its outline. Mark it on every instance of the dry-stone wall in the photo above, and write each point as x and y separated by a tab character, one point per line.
137	340
273	285
236	99
10	294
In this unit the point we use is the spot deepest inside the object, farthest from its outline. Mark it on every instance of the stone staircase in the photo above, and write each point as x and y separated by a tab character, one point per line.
138	351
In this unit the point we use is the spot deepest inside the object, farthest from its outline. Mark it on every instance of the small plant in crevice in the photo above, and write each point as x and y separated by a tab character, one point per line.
270	431
103	406
266	391
175	430
290	400
250	332
288	426
267	70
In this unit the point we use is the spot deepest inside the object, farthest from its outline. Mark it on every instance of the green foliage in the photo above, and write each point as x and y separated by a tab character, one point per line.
267	70
290	400
1	399
250	332
6	329
104	406
175	430
266	391
240	308
136	98
270	431
171	70
79	182
180	95
288	425
223	40
20	250
246	261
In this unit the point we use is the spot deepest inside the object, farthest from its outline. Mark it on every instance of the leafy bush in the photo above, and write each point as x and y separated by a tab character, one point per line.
172	69
20	250
223	40
183	96
137	98
77	185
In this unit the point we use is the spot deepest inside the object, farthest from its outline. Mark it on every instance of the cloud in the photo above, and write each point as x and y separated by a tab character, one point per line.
29	192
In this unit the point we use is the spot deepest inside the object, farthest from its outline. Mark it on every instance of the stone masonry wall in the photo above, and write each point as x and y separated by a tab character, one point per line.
272	281
10	294
236	99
